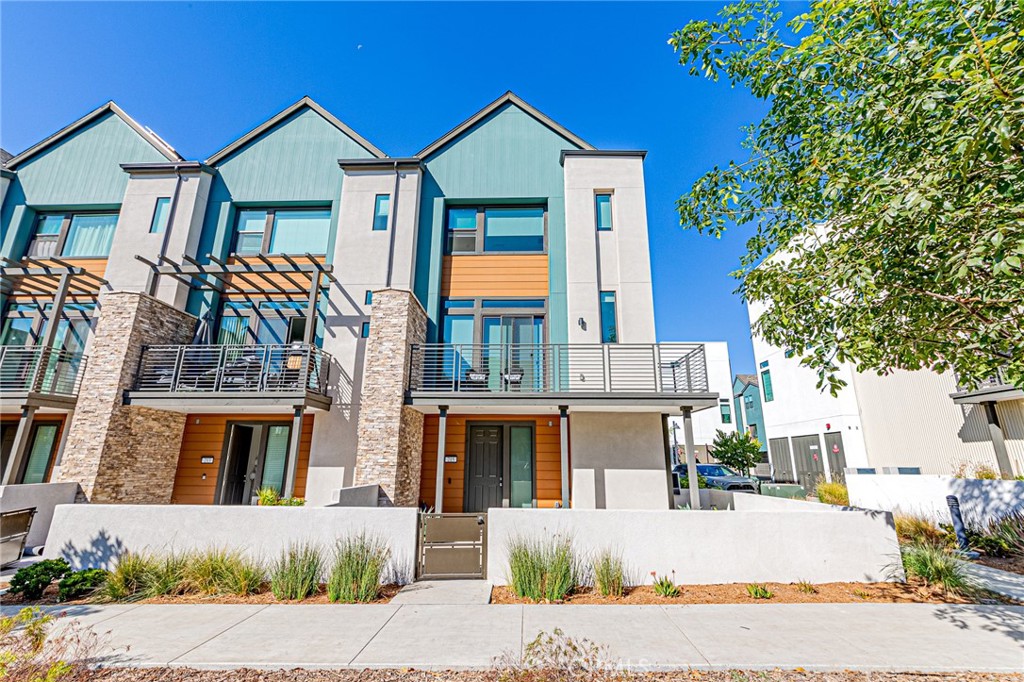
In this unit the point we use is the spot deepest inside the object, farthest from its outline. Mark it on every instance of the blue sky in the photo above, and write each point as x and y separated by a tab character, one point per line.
201	74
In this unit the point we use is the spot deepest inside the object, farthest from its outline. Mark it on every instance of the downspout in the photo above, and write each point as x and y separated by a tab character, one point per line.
391	227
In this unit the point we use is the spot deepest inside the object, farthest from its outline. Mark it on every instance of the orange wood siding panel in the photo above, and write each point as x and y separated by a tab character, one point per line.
547	465
264	282
204	437
494	275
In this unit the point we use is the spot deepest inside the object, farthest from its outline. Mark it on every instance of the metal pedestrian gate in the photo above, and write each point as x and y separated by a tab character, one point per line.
452	546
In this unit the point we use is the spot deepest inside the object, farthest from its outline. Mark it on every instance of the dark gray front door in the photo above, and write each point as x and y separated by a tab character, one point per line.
782	464
836	455
484	468
809	467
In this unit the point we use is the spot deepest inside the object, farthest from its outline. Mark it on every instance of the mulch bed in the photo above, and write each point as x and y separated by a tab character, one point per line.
185	674
1011	564
911	592
50	598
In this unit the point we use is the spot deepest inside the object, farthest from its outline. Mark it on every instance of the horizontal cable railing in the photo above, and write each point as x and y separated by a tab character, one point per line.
239	369
35	369
559	368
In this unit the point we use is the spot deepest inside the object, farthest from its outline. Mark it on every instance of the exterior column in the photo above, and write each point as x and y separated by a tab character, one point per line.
20	446
293	453
995	431
691	458
442	429
390	448
563	429
121	453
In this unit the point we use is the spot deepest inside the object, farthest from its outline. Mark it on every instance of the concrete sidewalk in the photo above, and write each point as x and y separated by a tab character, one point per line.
889	637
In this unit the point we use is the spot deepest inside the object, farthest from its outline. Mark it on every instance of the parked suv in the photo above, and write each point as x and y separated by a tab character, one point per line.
719	476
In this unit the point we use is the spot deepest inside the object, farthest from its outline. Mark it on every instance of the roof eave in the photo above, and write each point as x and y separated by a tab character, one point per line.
508	97
389	163
641	153
281	116
169	167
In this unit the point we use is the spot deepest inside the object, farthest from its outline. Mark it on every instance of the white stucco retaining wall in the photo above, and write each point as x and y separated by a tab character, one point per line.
925	495
93	536
44	497
706	547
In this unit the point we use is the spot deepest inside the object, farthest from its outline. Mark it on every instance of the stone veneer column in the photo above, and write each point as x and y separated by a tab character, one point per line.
119	453
391	433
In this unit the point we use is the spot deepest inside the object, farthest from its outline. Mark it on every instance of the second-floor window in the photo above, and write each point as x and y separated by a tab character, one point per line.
292	231
496	229
73	235
603	210
766	384
726	410
609	322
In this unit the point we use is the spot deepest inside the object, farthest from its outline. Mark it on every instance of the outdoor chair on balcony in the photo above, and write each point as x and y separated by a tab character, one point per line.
242	374
476	379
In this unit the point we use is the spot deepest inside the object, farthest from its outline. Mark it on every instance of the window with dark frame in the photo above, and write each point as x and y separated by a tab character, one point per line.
726	411
275	231
496	229
73	235
368	299
609	321
364	330
766	384
381	211
161	214
603	211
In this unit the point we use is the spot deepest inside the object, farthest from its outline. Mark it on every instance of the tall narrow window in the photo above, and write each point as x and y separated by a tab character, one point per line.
381	211
766	383
726	412
603	210
520	466
368	299
161	214
364	330
40	453
276	457
609	323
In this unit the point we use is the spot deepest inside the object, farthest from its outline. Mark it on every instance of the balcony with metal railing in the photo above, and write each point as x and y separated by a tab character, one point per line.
993	389
596	374
184	377
40	375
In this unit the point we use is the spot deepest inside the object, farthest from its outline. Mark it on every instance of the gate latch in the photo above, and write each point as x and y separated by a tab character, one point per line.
480	520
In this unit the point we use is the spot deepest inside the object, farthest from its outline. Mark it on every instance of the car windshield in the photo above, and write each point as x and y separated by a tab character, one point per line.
714	470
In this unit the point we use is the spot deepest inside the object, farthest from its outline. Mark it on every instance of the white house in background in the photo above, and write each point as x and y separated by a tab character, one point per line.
903	419
707	422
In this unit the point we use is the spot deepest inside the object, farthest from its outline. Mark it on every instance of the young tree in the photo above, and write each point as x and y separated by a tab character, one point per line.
737	450
889	170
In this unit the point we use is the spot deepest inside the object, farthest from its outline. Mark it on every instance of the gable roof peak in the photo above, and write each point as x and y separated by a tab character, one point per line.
305	102
508	98
109	108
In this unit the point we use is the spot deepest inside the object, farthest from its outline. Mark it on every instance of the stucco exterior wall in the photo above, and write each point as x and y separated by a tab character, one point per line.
44	497
706	423
706	547
618	461
93	536
981	501
617	260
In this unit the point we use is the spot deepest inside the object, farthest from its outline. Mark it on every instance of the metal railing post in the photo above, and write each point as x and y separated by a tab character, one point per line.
657	368
179	357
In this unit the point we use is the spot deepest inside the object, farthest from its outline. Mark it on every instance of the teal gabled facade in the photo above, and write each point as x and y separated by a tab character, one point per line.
507	153
77	168
747	403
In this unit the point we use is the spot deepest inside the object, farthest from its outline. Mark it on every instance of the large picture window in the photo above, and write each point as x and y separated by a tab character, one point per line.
73	235
292	231
270	323
496	229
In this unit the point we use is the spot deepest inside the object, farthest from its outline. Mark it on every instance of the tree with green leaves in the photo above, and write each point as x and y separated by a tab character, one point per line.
737	450
888	174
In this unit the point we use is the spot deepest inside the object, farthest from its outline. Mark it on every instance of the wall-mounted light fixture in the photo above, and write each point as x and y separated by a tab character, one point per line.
582	323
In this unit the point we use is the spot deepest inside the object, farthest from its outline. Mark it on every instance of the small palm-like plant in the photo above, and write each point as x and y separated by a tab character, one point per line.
759	591
665	586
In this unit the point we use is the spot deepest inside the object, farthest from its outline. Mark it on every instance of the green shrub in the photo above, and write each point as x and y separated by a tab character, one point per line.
269	497
912	529
759	591
358	567
684	482
665	586
609	574
1005	535
833	493
296	574
937	566
80	583
543	570
32	580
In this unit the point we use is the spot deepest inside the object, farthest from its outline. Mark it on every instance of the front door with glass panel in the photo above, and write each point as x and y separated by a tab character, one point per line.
255	457
500	461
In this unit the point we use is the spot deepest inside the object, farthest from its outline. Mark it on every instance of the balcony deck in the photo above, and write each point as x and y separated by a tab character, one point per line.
197	377
643	377
994	389
47	378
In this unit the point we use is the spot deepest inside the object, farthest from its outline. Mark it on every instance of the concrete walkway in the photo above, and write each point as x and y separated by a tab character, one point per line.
1001	582
891	637
450	592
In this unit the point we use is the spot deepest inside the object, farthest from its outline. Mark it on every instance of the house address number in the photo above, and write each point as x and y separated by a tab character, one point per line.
451	459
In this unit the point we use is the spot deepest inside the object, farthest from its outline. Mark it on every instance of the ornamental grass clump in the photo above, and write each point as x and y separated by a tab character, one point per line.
546	570
937	566
296	573
914	529
358	566
609	574
222	571
833	493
